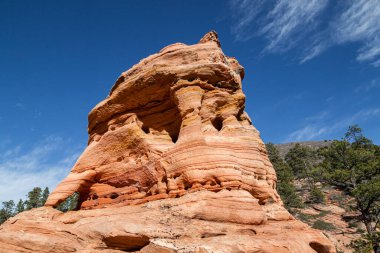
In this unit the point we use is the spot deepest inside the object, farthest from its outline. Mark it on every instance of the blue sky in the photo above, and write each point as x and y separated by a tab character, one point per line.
312	69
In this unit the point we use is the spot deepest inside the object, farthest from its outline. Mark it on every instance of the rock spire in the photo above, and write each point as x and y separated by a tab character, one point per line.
173	164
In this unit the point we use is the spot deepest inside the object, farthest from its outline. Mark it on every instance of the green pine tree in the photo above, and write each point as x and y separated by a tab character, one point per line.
20	206
44	197
353	164
303	161
34	198
7	211
285	177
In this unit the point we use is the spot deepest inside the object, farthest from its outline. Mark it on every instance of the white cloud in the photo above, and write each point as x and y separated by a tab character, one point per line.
245	12
320	127
365	114
282	24
359	22
308	132
290	23
319	43
45	164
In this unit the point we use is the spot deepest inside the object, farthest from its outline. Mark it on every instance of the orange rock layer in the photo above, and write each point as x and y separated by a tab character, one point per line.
172	124
173	164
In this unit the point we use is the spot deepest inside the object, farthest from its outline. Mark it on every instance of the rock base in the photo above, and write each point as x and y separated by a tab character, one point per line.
204	221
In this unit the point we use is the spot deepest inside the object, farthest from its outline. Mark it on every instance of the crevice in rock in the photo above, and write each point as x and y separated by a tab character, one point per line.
208	235
247	231
217	122
240	114
190	79
174	136
165	118
114	195
145	129
127	243
318	247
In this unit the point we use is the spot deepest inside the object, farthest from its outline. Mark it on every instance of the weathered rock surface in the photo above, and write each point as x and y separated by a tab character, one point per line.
173	164
172	124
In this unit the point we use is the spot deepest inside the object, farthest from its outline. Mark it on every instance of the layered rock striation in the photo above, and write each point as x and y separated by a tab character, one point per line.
172	124
173	164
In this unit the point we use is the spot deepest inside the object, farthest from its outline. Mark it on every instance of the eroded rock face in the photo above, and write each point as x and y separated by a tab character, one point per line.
172	124
173	164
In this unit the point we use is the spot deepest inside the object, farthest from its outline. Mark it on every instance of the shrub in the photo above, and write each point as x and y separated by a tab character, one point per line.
362	245
323	225
317	196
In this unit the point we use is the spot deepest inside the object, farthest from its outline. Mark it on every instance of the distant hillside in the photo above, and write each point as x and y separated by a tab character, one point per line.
284	148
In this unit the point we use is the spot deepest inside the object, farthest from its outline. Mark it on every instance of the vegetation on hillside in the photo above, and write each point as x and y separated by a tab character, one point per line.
351	165
285	178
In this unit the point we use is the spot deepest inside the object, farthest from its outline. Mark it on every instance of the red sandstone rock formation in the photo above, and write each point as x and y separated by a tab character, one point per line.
173	164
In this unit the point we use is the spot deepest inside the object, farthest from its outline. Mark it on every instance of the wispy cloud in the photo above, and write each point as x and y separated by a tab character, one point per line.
375	83
245	12
308	132
318	126
359	22
289	23
317	45
45	164
282	24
